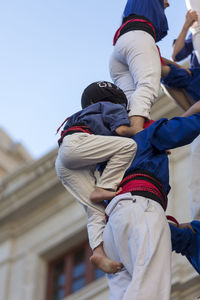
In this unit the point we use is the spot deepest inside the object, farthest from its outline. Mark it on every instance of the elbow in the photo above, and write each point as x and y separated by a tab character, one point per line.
173	57
123	131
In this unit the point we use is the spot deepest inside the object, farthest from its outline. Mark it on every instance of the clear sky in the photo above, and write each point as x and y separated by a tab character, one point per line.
50	50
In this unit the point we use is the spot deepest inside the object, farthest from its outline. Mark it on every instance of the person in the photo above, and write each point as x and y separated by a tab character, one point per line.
135	62
91	136
187	83
194	5
183	87
183	45
137	232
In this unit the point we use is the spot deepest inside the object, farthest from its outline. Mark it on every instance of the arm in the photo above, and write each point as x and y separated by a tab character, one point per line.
168	61
194	109
125	131
177	132
165	69
190	18
116	118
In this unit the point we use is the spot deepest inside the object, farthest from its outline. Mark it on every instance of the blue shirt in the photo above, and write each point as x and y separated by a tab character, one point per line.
102	118
160	136
180	78
152	10
187	50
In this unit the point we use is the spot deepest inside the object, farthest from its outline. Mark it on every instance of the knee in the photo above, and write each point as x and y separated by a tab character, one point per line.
131	145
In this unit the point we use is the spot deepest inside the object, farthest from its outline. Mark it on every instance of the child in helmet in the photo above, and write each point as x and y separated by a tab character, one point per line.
91	136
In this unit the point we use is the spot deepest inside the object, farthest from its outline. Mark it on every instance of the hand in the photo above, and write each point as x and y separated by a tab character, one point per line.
190	18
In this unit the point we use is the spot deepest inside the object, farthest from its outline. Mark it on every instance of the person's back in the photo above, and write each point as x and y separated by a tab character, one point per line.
152	10
137	231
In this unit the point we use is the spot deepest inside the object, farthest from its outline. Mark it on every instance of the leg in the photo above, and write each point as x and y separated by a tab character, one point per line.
89	149
178	95
154	244
80	183
118	282
140	244
100	194
135	67
100	260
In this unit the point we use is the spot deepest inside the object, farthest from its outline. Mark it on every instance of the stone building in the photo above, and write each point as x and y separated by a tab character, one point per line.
43	239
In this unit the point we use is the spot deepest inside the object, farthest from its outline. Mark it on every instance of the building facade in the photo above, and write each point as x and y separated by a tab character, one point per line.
44	253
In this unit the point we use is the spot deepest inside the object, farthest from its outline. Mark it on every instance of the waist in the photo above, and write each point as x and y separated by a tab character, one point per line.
135	24
74	129
144	183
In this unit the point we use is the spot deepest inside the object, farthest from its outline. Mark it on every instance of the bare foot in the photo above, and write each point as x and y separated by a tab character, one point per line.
100	194
105	264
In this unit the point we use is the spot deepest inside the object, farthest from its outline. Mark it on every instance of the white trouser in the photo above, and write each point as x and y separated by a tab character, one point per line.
195	28
135	67
137	234
76	163
194	179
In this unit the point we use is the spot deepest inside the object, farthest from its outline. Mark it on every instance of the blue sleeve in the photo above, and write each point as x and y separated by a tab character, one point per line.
177	132
114	115
186	50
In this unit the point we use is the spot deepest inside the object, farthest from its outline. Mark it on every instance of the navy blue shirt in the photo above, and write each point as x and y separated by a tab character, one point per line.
153	10
180	78
103	118
160	136
187	50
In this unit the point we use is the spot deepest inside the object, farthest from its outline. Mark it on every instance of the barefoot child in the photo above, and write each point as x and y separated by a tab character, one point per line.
91	136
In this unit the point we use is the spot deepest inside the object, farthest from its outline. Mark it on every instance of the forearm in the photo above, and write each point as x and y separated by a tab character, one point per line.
176	132
125	131
194	109
190	18
166	69
180	41
168	61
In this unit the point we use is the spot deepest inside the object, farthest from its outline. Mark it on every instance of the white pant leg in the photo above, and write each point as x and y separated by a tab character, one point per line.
194	179
81	150
195	28
118	284
138	235
80	185
136	68
75	166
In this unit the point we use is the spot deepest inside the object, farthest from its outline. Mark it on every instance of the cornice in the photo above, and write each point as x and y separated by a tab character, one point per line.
29	187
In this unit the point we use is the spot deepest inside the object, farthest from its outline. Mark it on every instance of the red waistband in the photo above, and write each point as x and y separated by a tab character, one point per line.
72	130
145	185
117	34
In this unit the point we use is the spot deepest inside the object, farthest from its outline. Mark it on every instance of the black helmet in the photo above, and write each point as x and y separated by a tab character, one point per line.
103	91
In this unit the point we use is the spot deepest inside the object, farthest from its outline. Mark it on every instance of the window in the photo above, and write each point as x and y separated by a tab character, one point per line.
71	272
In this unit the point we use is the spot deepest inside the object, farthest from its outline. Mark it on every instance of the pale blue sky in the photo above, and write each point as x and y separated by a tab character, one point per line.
50	50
